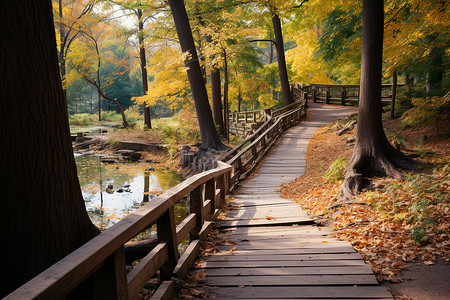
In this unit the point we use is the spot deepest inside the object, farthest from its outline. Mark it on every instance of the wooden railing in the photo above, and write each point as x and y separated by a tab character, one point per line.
242	123
246	122
342	94
104	255
244	157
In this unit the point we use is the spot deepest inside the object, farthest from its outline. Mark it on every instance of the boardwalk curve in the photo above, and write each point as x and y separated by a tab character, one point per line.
271	249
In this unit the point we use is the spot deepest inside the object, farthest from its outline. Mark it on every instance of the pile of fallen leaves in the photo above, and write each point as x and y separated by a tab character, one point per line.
394	221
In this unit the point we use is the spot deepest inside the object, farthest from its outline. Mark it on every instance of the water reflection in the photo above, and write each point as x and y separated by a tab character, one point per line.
112	191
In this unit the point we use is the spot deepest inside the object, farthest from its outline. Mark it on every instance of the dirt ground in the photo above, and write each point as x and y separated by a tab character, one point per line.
422	282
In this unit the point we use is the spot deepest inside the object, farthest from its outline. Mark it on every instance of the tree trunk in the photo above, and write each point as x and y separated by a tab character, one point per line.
394	94
46	217
279	45
210	137
143	60
372	155
119	107
216	98
225	96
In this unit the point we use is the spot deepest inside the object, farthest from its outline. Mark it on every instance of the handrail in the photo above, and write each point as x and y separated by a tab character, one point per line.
343	94
104	257
62	277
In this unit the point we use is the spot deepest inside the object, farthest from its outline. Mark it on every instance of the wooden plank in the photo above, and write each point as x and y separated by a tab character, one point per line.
323	292
187	259
265	222
258	202
261	216
289	228
139	276
299	280
185	227
279	263
280	250
205	230
288	241
289	271
165	291
327	256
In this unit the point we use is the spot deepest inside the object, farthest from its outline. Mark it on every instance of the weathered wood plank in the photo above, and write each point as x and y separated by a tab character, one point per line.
324	292
165	291
265	222
146	268
300	280
289	271
280	250
327	256
279	263
187	259
289	228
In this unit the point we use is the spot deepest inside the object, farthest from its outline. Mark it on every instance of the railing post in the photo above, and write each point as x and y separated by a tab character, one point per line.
343	94
220	184
327	96
110	281
196	207
166	231
210	193
314	92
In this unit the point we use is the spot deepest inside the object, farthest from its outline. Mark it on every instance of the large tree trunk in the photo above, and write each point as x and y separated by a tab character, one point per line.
45	217
216	95
279	45
373	155
143	60
225	95
209	135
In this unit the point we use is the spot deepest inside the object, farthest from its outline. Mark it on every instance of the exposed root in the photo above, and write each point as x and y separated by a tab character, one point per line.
364	165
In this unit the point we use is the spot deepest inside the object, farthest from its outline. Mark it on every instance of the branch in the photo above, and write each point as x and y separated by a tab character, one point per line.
395	15
300	5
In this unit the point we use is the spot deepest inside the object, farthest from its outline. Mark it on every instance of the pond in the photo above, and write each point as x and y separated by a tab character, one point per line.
112	191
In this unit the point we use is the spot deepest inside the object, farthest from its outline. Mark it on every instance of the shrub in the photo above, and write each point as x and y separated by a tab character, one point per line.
336	171
82	119
427	111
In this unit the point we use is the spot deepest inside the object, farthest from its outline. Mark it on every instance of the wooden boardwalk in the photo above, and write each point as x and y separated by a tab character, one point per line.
271	249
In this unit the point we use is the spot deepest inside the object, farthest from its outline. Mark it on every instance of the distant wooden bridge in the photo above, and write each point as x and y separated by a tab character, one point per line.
271	248
245	123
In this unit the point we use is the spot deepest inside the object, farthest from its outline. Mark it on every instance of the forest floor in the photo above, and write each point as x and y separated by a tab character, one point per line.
400	227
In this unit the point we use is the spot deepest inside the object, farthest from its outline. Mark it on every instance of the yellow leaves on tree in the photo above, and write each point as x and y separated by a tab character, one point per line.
170	83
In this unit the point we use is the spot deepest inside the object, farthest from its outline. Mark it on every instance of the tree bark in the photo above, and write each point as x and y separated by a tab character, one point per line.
143	60
394	94
225	96
46	217
210	137
372	155
216	95
282	69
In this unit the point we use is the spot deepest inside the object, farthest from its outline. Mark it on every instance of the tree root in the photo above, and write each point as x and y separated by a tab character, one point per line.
367	164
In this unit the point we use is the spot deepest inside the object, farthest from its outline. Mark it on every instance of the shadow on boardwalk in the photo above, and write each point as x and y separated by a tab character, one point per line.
272	249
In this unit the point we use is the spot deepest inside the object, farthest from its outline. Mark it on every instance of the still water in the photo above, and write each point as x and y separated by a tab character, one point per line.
112	191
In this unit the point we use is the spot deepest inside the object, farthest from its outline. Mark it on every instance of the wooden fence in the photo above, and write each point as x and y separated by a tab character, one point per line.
342	94
104	256
245	122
